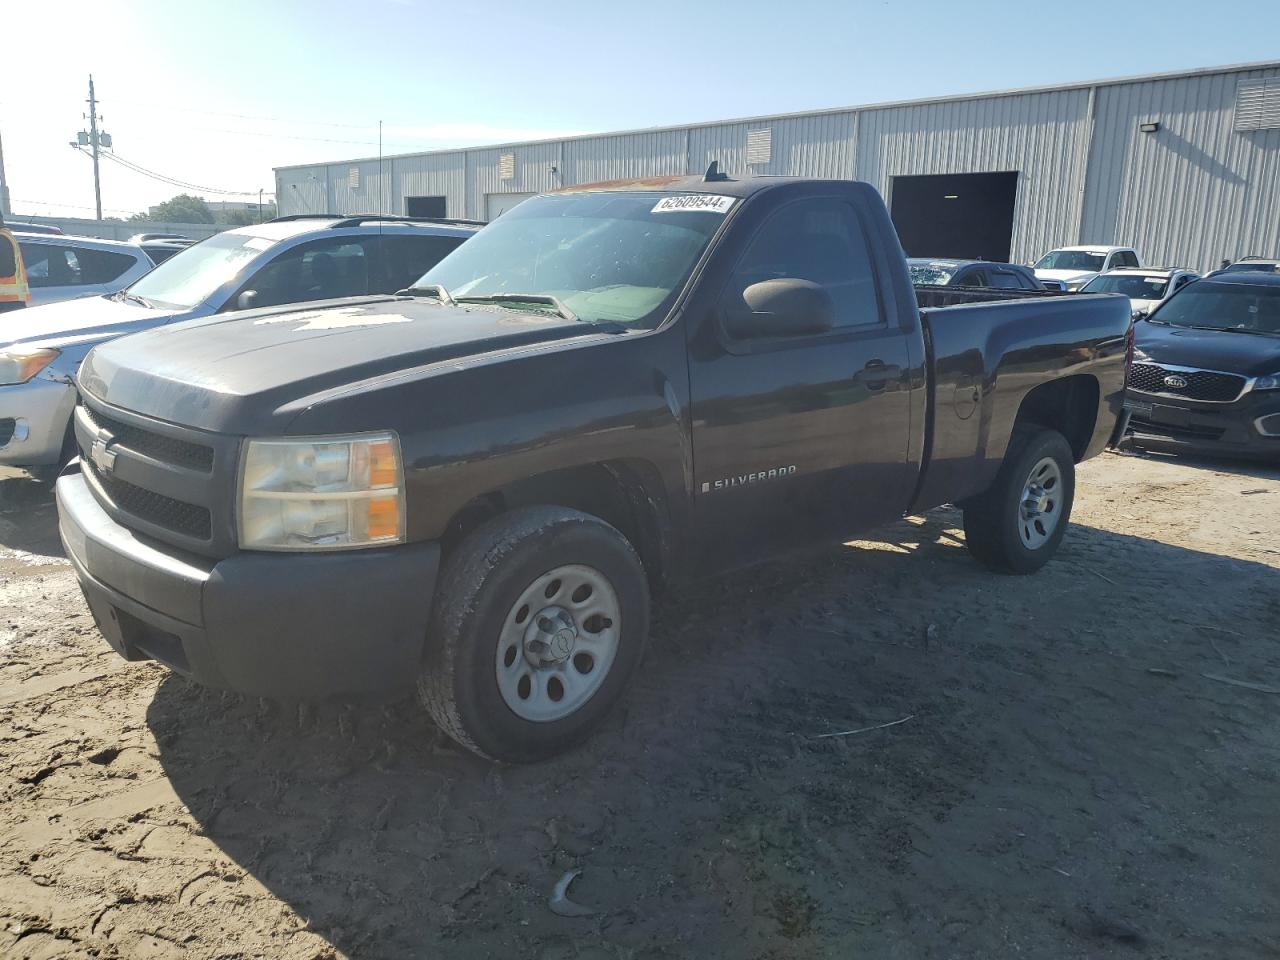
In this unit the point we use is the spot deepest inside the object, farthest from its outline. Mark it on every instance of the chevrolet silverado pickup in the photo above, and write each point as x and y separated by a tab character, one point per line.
473	487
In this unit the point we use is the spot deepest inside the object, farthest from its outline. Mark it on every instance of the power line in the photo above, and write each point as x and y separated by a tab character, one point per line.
248	116
69	206
173	181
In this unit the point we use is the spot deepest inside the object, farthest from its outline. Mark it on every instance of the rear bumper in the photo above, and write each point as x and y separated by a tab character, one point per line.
1249	427
274	625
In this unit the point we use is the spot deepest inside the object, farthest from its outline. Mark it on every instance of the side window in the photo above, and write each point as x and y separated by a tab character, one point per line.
319	270
49	265
396	261
817	240
977	277
1182	281
103	266
1005	280
1125	258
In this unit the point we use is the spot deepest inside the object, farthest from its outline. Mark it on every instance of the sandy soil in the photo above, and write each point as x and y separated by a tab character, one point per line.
1076	778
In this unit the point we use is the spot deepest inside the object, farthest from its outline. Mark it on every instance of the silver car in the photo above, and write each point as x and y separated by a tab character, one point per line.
289	260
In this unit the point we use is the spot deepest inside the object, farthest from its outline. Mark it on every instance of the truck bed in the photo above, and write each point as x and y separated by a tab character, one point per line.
987	356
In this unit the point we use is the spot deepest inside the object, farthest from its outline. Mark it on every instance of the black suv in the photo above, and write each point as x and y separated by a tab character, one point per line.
1206	368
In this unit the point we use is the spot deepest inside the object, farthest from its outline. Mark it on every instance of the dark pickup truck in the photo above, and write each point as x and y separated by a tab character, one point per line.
474	486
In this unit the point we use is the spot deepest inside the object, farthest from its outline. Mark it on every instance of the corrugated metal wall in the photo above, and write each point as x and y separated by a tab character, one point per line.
1192	193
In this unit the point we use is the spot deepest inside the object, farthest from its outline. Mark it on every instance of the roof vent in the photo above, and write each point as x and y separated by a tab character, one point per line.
759	145
507	166
1258	104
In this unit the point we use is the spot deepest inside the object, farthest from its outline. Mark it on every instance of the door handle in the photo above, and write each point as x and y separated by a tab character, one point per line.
877	373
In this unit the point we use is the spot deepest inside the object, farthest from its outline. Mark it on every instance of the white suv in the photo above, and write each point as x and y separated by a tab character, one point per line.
288	260
1073	267
65	268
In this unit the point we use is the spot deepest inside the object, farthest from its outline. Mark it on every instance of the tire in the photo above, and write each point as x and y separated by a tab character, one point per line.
998	531
496	594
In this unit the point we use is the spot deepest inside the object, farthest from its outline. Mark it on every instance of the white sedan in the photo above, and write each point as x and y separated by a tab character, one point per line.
1146	287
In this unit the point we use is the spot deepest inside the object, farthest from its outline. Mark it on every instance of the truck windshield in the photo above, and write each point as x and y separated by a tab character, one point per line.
1244	307
1136	287
1070	260
192	275
609	257
924	274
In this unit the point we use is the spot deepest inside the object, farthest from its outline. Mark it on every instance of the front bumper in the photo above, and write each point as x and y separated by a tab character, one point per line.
40	410
266	624
1248	427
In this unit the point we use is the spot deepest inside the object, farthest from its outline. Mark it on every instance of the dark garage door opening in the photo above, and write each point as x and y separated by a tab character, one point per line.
964	215
424	206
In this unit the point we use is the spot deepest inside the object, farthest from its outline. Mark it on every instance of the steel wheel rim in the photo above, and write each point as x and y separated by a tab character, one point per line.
558	643
1040	508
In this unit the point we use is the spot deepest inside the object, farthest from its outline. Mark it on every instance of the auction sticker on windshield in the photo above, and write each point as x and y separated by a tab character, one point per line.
694	203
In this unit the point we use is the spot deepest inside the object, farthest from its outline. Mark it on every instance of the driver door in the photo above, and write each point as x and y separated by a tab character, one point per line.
801	438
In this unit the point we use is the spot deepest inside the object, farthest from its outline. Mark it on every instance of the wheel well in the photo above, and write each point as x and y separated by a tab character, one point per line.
621	493
1068	405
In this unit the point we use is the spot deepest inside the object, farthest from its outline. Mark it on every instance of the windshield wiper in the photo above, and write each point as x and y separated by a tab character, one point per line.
501	298
134	298
428	290
1248	330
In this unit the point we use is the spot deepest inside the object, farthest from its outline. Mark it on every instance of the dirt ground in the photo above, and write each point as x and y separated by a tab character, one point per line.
1074	775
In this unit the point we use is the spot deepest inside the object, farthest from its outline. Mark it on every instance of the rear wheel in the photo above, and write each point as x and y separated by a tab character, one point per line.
1017	525
541	620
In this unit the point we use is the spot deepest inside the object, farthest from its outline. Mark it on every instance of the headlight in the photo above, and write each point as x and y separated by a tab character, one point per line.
18	365
1269	382
321	493
1073	286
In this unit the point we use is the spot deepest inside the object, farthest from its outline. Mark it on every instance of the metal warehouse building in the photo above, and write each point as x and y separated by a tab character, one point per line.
1184	166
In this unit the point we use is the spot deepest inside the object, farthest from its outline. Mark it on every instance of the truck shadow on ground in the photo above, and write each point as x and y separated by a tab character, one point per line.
1062	747
28	517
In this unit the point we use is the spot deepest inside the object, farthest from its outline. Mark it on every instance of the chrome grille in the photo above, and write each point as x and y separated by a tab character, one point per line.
1210	385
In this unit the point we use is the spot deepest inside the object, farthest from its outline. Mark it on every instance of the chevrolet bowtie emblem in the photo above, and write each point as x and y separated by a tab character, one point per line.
101	452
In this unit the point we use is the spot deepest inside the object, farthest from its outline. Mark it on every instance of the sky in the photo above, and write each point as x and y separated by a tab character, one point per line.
216	94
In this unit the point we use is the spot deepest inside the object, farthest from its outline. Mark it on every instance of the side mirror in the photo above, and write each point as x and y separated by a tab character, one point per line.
781	308
247	300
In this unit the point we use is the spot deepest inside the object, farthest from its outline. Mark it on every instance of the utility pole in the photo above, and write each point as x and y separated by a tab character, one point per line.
4	186
93	139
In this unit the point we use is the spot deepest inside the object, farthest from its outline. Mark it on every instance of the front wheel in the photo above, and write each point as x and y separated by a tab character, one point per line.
541	620
1016	525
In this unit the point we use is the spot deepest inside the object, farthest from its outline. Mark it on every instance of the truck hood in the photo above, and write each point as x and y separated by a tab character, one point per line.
1066	276
1241	353
87	320
244	372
